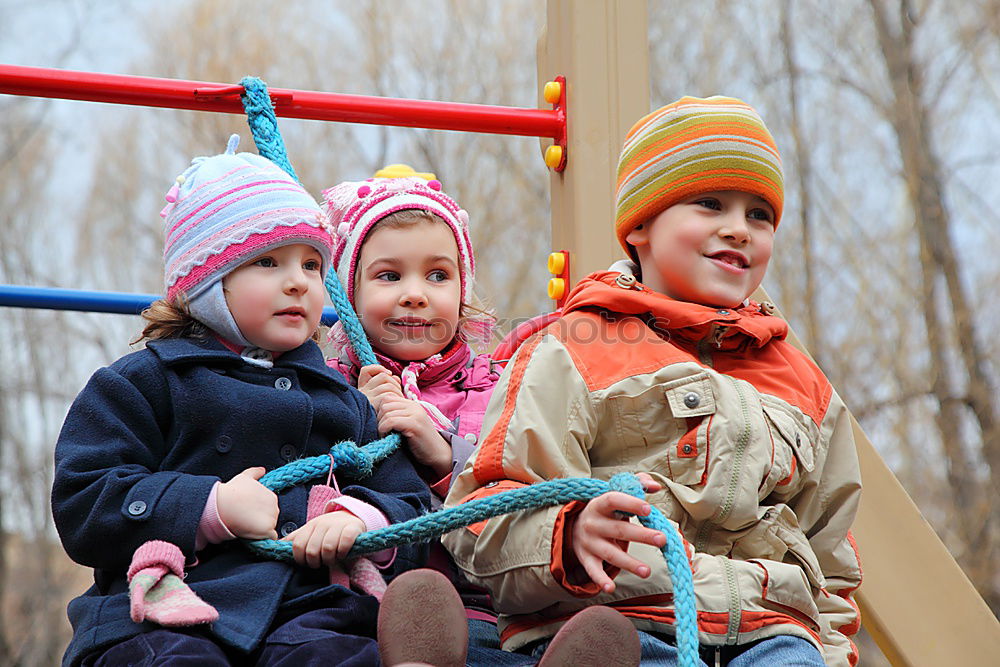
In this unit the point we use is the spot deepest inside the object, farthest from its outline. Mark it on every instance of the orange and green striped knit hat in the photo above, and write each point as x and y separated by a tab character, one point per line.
690	146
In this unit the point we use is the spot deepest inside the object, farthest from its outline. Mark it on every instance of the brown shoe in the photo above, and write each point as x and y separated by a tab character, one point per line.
422	620
596	636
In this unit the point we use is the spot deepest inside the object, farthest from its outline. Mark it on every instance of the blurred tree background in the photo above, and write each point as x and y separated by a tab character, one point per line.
887	113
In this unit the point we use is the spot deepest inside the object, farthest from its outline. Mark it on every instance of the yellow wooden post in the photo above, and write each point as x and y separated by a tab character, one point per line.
602	48
915	600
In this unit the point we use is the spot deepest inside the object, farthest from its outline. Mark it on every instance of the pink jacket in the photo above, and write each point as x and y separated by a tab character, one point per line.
458	383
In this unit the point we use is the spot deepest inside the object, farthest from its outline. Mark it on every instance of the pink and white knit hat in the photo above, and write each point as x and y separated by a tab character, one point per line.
353	208
227	209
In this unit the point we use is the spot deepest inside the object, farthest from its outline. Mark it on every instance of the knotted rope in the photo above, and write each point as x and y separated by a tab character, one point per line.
359	462
264	124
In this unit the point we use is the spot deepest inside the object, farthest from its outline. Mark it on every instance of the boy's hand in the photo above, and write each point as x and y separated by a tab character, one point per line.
376	382
601	535
248	508
326	539
409	418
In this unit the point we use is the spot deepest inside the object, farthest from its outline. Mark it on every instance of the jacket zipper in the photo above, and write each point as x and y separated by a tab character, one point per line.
705	531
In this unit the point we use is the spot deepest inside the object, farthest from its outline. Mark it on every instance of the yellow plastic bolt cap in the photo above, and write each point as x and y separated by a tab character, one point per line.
403	171
557	288
556	263
552	92
553	156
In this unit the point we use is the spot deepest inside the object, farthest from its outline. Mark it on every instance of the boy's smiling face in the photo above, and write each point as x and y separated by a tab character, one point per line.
712	248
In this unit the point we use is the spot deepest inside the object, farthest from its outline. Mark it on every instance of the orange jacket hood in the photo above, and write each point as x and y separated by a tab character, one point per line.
745	325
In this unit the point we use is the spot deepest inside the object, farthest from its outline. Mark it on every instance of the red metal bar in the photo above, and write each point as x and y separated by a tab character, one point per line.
205	96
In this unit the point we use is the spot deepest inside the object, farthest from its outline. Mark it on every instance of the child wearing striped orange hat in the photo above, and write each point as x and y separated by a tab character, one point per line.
664	366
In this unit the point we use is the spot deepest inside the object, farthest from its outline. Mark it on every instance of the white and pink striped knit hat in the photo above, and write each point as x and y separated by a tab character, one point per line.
226	209
353	208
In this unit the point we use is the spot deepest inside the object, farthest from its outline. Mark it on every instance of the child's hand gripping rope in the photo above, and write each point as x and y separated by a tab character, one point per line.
358	461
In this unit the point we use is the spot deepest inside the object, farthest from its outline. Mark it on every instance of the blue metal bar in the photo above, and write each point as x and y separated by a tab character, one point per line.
56	298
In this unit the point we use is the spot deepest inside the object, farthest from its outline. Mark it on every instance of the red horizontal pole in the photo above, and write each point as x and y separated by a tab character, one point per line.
312	105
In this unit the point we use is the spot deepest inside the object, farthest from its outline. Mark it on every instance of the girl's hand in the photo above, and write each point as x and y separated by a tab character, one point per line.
601	535
248	508
377	382
326	539
428	446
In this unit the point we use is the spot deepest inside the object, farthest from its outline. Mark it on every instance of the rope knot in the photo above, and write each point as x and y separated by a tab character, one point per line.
352	459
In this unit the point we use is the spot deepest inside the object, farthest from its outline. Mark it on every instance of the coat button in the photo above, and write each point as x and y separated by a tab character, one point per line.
288	452
136	508
283	383
471	437
490	485
722	312
288	527
692	399
687	449
223	444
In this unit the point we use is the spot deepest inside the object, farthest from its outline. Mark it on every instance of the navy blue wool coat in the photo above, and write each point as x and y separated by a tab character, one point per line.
147	438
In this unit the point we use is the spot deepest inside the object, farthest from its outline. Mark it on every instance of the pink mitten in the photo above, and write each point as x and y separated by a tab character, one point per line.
157	592
366	577
362	573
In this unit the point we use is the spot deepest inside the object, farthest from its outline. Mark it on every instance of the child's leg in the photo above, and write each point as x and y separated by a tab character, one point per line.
340	634
484	648
161	647
781	650
660	650
595	636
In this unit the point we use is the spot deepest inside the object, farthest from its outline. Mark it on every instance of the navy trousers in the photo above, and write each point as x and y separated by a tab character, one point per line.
328	636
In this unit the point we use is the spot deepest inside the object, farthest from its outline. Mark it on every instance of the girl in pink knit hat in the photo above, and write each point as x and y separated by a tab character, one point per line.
403	254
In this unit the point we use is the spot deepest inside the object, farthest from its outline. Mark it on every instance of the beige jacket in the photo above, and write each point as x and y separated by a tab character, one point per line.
752	445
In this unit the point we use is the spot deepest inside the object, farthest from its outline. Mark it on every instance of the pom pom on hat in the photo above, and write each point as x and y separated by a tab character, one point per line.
691	146
226	209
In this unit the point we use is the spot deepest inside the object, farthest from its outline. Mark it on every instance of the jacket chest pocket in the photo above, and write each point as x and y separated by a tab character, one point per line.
794	436
665	429
692	403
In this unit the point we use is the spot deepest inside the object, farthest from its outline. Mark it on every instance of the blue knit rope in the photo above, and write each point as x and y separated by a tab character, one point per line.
349	319
359	461
535	496
264	124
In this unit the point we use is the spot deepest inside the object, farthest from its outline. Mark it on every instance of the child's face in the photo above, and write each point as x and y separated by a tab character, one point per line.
409	290
712	248
277	298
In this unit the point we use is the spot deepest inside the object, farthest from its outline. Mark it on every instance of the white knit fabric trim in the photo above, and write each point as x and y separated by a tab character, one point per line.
395	203
224	241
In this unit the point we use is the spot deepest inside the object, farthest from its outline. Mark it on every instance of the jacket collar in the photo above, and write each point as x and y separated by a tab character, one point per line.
306	358
728	328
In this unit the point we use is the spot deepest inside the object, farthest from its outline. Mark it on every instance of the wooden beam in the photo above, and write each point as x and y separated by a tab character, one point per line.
602	48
